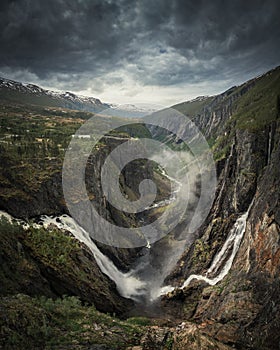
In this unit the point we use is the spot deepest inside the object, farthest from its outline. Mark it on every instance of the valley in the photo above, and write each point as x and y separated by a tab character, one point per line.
212	285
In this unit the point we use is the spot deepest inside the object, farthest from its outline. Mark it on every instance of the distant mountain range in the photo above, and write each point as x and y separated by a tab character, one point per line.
20	93
16	92
13	92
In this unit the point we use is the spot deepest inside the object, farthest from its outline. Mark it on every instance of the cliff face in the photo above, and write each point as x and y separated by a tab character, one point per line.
243	308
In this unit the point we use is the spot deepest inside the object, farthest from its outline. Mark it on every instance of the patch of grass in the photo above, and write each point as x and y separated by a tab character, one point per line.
221	153
52	246
201	251
139	321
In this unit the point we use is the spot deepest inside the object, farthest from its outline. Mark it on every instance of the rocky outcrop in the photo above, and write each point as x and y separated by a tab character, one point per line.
46	199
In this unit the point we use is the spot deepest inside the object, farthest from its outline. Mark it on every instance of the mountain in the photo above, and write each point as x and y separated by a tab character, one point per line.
16	92
219	290
252	105
131	110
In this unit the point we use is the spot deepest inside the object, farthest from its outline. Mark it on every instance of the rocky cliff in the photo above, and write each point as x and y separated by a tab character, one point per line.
243	308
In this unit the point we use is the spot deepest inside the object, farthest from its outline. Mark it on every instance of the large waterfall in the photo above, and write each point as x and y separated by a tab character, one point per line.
143	282
127	284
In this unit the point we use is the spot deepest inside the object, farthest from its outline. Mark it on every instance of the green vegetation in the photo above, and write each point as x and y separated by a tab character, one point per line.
201	251
33	141
221	147
52	249
132	130
254	105
52	246
32	147
44	323
261	104
139	321
194	107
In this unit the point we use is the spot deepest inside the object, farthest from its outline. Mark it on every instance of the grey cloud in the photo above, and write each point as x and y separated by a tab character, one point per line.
156	42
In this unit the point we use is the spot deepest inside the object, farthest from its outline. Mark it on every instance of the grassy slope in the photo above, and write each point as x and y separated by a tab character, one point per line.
192	108
41	323
260	105
252	110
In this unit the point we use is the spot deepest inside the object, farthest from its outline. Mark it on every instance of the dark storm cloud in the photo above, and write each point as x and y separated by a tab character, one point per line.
154	42
58	36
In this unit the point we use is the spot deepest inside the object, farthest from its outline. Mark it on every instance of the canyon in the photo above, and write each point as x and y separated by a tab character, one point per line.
215	287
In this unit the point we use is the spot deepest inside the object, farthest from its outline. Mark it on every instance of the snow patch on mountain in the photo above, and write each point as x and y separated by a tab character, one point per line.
67	96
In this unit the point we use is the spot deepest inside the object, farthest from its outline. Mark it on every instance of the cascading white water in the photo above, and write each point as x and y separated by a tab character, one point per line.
6	215
232	243
269	146
172	198
127	284
135	284
23	223
141	283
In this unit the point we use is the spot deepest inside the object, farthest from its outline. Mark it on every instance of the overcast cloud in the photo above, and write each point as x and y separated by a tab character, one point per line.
129	51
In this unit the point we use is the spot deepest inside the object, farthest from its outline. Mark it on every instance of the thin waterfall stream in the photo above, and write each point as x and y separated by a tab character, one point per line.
232	244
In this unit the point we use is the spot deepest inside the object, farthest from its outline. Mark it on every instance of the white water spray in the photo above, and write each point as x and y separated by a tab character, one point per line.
232	243
127	285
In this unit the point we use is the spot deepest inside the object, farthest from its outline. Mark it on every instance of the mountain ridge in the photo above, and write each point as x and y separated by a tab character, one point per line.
15	91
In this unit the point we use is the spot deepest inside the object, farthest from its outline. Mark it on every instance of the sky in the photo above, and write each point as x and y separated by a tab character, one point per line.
138	51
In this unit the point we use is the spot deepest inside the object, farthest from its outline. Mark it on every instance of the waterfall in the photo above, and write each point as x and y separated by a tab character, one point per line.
127	284
145	280
232	244
269	145
142	282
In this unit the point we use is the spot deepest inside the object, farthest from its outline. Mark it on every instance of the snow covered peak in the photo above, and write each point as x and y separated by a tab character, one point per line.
63	99
199	99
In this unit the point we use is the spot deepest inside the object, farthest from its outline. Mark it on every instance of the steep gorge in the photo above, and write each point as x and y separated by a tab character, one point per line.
242	308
